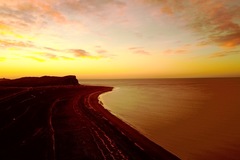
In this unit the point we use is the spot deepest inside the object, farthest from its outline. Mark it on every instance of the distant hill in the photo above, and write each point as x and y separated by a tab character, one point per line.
39	81
3	79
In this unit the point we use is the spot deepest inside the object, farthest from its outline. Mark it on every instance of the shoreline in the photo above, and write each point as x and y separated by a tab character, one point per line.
134	135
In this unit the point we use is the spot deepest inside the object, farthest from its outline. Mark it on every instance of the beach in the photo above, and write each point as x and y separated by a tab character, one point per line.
67	122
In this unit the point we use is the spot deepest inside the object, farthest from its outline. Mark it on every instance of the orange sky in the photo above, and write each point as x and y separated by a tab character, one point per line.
120	38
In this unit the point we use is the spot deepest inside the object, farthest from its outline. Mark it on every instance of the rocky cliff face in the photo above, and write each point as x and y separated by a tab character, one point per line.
40	81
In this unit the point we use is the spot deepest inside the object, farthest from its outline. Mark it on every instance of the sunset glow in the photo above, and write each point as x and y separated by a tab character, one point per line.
120	38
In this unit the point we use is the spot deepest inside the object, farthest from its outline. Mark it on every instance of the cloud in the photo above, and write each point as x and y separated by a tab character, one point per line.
224	53
51	56
79	53
51	49
66	58
100	50
69	54
35	14
179	50
30	14
19	21
7	31
47	52
14	43
230	40
139	50
16	15
202	43
216	21
134	48
43	56
50	10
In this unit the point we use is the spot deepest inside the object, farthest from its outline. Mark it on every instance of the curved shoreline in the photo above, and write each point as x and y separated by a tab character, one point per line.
140	141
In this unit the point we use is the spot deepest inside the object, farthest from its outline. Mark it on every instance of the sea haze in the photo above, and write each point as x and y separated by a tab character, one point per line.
192	118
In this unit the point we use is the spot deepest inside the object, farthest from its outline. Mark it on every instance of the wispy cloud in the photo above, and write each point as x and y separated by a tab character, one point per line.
224	53
100	50
29	16
134	48
18	19
139	50
79	53
44	56
51	56
8	31
179	50
229	40
14	43
216	21
46	52
32	13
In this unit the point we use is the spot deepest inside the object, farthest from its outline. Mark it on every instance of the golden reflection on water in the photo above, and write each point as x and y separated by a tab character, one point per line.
194	118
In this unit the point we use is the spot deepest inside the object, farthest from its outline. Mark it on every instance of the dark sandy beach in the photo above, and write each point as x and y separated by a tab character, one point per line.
65	121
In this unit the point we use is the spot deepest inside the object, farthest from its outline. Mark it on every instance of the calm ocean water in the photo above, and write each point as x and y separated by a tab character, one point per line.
192	118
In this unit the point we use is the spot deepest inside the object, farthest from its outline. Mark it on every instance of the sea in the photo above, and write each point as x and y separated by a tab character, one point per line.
195	119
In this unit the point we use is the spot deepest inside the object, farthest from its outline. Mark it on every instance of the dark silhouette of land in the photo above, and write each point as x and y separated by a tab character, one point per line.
39	81
55	118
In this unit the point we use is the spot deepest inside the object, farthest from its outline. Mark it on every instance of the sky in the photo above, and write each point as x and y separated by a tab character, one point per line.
120	38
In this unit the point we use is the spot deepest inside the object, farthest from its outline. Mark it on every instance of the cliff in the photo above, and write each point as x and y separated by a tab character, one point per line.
40	81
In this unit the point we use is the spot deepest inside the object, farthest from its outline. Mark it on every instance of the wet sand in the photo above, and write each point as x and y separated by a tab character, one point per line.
67	122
